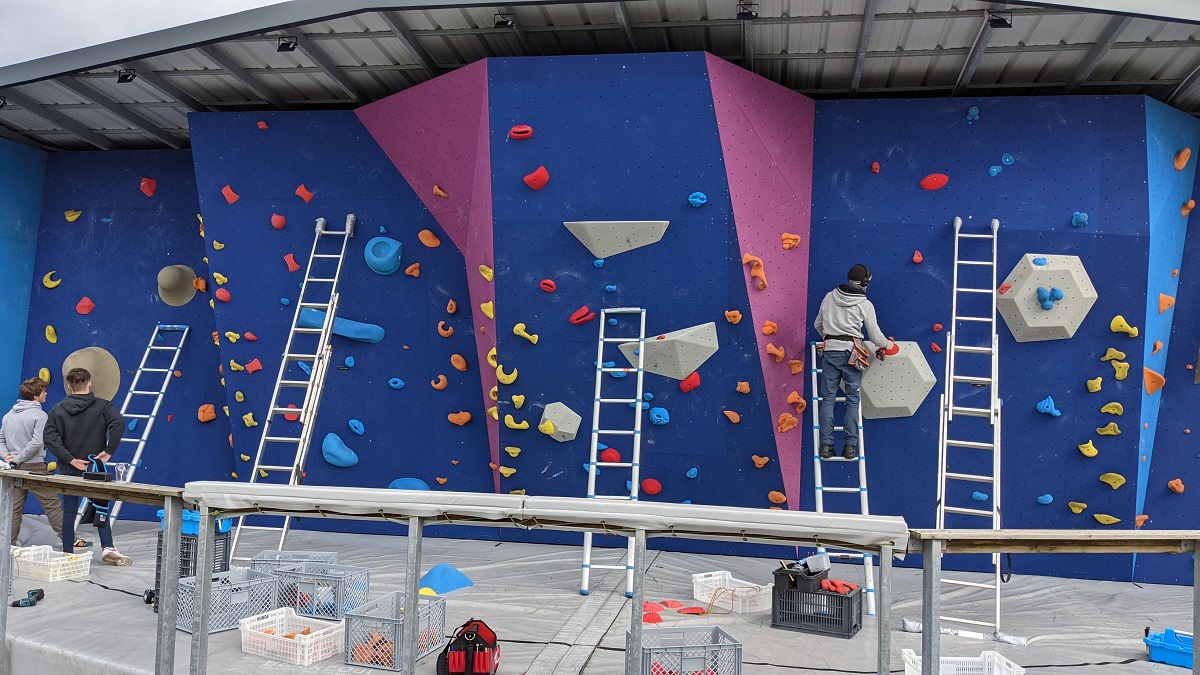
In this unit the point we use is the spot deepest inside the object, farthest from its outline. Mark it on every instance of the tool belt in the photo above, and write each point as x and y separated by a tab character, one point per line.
472	650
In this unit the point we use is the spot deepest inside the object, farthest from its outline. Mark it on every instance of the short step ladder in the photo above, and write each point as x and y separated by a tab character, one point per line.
634	463
283	447
142	402
819	487
969	428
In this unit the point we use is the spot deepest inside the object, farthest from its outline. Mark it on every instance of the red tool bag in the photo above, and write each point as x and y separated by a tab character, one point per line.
472	651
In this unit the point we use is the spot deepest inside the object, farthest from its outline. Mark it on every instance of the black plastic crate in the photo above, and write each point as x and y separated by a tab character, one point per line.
189	545
795	579
820	612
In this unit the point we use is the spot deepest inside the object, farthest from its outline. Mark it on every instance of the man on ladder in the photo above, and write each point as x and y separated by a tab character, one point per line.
844	313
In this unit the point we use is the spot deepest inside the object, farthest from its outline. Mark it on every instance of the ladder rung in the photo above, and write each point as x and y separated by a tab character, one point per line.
160	348
969	444
971	349
146	393
968	379
608	567
840	489
281	439
276	467
619	400
838	458
975	290
973	622
314	305
975	236
975	478
621	339
260	528
986	263
306	330
156	370
972	584
286	411
336	233
613	497
615	432
971	412
293	383
331	281
618	370
140	417
976	319
327	255
967	512
300	357
624	464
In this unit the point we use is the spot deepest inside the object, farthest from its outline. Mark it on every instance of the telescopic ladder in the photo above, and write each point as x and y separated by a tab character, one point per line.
302	369
819	487
634	464
141	406
969	429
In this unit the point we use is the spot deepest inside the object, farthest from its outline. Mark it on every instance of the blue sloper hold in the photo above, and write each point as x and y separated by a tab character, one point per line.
1046	499
285	302
648	396
979	496
995	170
611	288
598	262
408	484
383	255
357	427
349	361
1046	406
354	330
132	425
659	416
443	578
612	322
697	199
305	367
334	450
692	472
1007	159
1079	219
1040	262
686	501
396	383
382	230
601	446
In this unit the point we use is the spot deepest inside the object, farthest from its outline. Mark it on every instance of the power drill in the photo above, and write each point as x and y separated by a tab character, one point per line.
31	598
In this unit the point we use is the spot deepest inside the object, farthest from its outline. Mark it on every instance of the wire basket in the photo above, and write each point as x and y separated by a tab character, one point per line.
269	561
45	564
684	650
722	590
322	590
287	641
375	631
987	663
237	594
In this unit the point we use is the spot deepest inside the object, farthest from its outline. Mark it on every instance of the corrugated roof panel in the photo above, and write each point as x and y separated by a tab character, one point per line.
293	86
23	120
1142	29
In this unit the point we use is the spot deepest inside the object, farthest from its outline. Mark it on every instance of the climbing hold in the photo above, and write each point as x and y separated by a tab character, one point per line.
72	216
235	366
732	416
934	181
459	418
918	258
1122	369
1113	355
697	199
334	450
444	330
610	456
581	316
1105	519
547	427
491	357
1007	159
382	255
223	295
1079	219
651	486
692	472
1176	486
1040	262
1094	385
283	301
44	375
538	179
1113	408
520	132
759	462
796	366
51	335
1110	429
304	193
305	367
757	271
512	423
220	278
413	270
1046	406
776	497
218	246
85	306
489	309
506	471
440	383
1004	288
979	496
206	413
1119	325
278	221
777	352
875	167
357	427
973	113
994	170
1165	302
659	416
1181	159
1077	507
935	348
548	285
519	330
598	263
743	387
1153	381
1114	480
1046	499
769	328
494	412
611	288
229	194
786	422
408	484
937	327
248	420
232	336
239	396
253	367
1187	207
1048	296
48	282
1088	449
690	382
486	272
505	378
512	451
733	316
1140	520
1157	346
790	241
459	362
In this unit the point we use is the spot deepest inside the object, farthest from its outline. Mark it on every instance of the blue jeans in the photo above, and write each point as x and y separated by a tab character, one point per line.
835	369
70	509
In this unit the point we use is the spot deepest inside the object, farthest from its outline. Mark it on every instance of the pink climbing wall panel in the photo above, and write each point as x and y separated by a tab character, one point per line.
767	141
437	134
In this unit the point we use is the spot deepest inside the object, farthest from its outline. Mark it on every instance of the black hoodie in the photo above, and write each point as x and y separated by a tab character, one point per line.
82	425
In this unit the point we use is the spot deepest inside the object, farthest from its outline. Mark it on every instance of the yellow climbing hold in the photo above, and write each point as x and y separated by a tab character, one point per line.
226	409
48	282
491	358
547	427
1113	408
489	309
1077	507
263	473
248	420
239	396
210	304
72	216
494	412
234	474
486	272
512	423
1094	385
1113	355
1088	449
220	278
245	458
232	336
512	450
517	492
426	591
1114	480
222	382
494	393
235	366
1105	519
507	471
1110	429
51	335
518	400
1122	369
519	330
504	378
44	375
1120	325
217	246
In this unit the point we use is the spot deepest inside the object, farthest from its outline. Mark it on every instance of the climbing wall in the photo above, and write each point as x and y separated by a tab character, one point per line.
22	172
112	253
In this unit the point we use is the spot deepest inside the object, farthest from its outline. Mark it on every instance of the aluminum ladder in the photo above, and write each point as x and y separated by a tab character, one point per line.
969	428
819	487
634	465
302	369
137	397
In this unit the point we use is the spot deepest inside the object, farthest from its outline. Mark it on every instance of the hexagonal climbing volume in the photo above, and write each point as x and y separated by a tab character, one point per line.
676	354
1046	297
896	386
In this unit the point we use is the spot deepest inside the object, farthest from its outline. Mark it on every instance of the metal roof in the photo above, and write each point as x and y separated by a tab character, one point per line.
821	48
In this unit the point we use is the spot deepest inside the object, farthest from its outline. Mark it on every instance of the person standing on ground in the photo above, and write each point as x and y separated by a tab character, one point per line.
844	312
79	427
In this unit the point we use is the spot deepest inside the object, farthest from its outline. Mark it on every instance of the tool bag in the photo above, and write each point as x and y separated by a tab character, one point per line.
472	650
860	358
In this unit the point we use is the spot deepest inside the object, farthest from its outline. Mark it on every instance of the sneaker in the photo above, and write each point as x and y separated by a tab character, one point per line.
114	557
849	452
826	451
82	543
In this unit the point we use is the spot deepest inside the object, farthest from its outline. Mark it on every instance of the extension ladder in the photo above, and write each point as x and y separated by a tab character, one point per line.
969	429
819	487
137	397
634	465
302	372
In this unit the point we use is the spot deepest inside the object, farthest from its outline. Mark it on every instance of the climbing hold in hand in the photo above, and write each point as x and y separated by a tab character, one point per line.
440	383
1119	325
918	258
1113	355
1088	449
538	179
1079	219
1077	507
934	181
1113	480
1113	408
1182	157
413	270
1094	385
1121	368
581	316
444	330
732	416
1105	519
769	328
248	420
1165	302
1046	499
1153	380
84	306
357	427
786	422
690	382
777	352
979	496
459	418
743	387
511	423
1110	429
520	132
1175	486
519	330
733	316
334	450
697	199
458	362
548	285
505	378
1046	406
229	194
790	241
206	413
776	497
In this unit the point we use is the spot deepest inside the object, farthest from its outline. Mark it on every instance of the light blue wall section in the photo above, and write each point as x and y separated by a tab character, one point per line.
22	175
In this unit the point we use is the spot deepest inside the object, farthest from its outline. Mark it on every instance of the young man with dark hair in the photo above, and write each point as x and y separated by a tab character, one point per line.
22	447
81	426
844	312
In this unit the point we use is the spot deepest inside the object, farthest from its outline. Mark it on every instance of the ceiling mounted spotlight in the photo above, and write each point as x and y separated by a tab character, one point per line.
999	19
747	11
287	43
504	20
126	75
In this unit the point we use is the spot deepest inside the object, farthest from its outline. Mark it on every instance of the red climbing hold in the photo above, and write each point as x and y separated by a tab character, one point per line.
693	610
292	418
918	258
651	617
230	195
690	382
253	367
1004	288
222	295
85	306
610	456
894	350
935	347
290	259
170	418
148	186
538	179
520	132
304	193
648	606
937	327
278	221
934	181
651	486
671	604
548	285
874	167
262	124
582	316
250	336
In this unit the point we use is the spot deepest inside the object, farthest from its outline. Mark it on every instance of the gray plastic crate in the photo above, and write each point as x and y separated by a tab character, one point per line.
189	544
375	631
269	561
688	649
821	612
237	594
321	590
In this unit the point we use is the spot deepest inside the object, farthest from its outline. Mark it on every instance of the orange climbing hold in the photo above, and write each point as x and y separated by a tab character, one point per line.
304	193
1174	272
733	316
790	241
776	497
743	387
1140	520
444	330
787	422
437	190
206	413
1004	288
451	306
200	284
261	124
937	327
1187	207
733	417
794	398
777	352
874	167
413	270
769	328
230	195
918	258
440	383
757	271
290	259
759	462
1157	346
459	418
459	363
1153	380
428	238
1175	486
1181	159
250	336
1165	302
796	366
442	480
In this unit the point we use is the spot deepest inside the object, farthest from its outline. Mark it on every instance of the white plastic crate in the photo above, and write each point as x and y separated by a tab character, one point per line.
731	594
45	564
987	663
325	640
237	594
375	631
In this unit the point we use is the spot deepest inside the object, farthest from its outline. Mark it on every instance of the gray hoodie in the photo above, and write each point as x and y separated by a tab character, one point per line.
845	311
21	432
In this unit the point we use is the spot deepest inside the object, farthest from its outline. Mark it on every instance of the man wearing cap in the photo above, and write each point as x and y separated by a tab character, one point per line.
21	443
844	313
79	428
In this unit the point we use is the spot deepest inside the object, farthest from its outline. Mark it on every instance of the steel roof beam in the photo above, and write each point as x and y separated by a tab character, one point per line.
864	37
518	31
1186	83
1104	42
120	111
623	22
243	77
332	70
18	137
147	74
58	119
406	36
974	57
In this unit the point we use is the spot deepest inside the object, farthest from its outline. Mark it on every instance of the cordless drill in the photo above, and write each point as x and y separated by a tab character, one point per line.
31	598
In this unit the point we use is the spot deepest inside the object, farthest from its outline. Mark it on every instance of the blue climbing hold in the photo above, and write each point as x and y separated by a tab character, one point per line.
1046	406
979	496
383	255
305	367
973	113
408	484
132	425
357	427
612	322
629	485
1040	262
686	501
598	262
354	330
645	406
659	416
285	302
382	230
692	472
697	199
443	578
1048	296
588	467
158	337
334	450
1079	219
396	383
995	170
611	288
648	396
1046	499
1007	159
349	362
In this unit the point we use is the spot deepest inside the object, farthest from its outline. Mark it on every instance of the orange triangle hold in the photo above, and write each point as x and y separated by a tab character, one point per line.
1153	380
1165	302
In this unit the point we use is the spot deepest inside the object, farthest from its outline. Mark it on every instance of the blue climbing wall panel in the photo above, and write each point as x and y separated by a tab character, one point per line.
22	172
406	432
112	254
1070	154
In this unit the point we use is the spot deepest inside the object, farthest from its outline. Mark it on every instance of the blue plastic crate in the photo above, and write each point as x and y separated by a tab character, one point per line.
191	522
1171	648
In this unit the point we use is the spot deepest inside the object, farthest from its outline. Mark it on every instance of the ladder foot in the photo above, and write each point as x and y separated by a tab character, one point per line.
584	592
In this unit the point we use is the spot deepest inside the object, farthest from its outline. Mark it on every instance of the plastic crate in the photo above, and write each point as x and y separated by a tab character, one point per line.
269	561
987	663
1171	648
728	593
325	640
375	631
795	579
236	594
688	650
191	523
322	590
45	564
189	546
822	612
